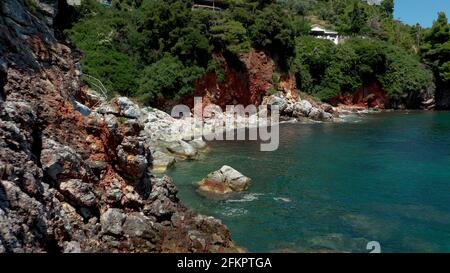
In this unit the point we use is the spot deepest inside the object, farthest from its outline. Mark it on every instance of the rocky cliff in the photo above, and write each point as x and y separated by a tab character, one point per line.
74	183
246	80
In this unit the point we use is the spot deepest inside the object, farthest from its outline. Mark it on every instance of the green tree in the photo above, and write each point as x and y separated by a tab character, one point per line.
105	57
271	30
388	7
357	19
232	36
167	78
436	48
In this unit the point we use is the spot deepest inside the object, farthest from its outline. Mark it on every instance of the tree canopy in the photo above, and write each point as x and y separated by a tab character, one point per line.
156	49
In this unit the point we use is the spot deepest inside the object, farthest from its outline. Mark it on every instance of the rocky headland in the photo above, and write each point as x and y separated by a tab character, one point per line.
74	180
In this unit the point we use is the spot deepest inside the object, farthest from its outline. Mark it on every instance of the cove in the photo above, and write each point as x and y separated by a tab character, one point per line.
335	187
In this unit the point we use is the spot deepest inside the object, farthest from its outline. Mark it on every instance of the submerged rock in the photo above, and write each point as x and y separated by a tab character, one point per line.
224	181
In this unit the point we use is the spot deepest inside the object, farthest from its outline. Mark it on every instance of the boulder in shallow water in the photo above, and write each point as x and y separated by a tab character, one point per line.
224	181
161	161
198	144
183	149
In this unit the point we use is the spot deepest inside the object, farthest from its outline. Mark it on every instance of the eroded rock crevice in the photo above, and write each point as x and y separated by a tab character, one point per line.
2	85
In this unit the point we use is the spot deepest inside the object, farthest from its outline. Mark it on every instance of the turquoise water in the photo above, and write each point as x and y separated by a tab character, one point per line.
335	187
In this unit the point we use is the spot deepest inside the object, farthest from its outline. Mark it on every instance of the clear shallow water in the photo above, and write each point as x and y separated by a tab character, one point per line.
383	178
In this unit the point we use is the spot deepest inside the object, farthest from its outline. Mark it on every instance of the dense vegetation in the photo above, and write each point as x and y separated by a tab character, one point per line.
436	49
155	49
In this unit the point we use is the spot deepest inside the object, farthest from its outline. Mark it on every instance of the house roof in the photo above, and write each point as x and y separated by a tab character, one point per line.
318	28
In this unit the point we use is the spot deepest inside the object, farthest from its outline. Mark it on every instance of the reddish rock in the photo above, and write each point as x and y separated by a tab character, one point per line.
240	86
372	96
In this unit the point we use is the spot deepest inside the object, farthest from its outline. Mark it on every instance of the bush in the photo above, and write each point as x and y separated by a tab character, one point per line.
167	78
104	58
232	36
325	70
404	73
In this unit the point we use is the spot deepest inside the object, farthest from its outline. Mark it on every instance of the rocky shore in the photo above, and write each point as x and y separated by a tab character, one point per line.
75	180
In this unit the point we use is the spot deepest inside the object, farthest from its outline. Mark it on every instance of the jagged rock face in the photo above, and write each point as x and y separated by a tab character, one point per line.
245	81
74	183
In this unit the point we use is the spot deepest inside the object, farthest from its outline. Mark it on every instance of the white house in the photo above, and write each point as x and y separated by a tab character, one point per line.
323	33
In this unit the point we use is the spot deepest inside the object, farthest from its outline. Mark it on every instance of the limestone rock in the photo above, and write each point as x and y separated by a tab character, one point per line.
198	144
278	100
138	225
61	161
133	158
83	109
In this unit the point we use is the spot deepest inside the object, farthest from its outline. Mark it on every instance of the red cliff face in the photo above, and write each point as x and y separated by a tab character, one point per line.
240	86
372	96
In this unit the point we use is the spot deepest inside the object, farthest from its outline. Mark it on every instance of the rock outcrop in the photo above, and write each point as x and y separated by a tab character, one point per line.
73	180
224	181
300	109
245	80
373	96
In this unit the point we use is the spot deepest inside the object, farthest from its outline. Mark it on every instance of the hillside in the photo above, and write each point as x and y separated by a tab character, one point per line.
166	51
